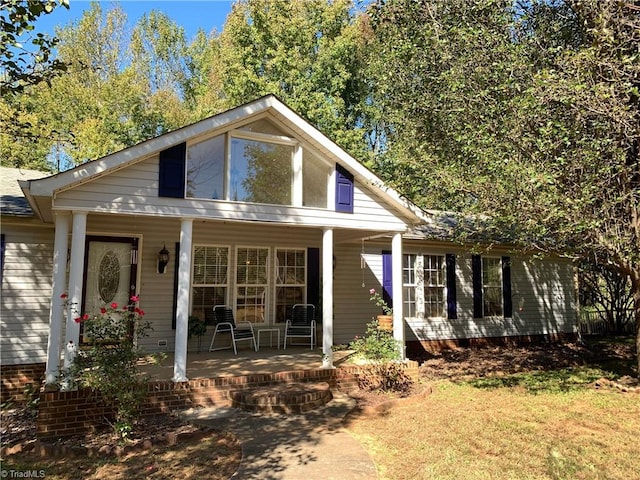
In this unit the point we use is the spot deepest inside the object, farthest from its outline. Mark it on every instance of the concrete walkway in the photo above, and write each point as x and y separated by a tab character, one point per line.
310	446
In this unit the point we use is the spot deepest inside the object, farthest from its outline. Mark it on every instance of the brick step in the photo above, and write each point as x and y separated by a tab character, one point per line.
282	398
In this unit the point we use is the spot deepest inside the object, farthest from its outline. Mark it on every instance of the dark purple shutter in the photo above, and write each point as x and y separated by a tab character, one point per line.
452	311
176	262
344	190
476	267
313	278
387	278
2	248
506	287
171	178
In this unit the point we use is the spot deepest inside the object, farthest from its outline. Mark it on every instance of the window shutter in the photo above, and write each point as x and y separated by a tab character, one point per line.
476	267
452	311
313	277
176	264
387	278
171	181
2	248
344	190
506	287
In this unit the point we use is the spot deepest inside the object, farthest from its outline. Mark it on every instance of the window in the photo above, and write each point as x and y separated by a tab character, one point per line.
424	283
290	281
491	287
252	282
434	286
205	169
260	172
256	163
315	176
210	280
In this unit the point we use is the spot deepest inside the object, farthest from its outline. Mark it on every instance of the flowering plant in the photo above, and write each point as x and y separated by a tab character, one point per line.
379	301
107	363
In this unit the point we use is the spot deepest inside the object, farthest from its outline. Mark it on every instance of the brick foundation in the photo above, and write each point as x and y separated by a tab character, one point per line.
417	349
70	413
15	379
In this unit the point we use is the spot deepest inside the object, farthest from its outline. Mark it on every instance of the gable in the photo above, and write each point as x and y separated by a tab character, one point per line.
269	129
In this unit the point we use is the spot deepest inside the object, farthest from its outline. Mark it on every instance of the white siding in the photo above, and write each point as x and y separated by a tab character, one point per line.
156	291
134	190
26	294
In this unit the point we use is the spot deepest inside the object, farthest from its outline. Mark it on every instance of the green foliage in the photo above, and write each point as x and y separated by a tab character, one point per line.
21	64
376	345
308	53
546	382
108	364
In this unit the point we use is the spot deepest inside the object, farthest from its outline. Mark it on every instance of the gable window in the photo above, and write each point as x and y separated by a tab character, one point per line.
210	280
205	169
291	274
315	176
424	283
260	172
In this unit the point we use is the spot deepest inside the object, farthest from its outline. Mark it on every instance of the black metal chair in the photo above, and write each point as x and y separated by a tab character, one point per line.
302	324
225	323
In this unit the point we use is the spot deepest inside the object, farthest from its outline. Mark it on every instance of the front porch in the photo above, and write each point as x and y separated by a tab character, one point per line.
223	363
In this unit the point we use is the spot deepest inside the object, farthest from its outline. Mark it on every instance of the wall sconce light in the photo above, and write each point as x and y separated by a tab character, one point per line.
163	259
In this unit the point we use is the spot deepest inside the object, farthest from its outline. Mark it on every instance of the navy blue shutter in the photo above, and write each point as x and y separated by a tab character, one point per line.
2	248
506	287
171	180
344	190
452	311
313	277
176	263
476	267
387	277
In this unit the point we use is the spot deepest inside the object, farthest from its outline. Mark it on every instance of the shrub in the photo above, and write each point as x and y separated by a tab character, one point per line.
108	363
377	345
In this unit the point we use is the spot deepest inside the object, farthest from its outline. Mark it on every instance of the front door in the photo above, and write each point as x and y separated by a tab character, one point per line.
111	270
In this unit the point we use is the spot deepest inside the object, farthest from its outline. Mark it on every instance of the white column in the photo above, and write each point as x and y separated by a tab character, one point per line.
182	311
396	266
76	274
56	312
327	298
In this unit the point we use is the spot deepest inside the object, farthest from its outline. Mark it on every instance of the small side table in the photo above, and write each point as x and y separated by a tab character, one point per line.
271	332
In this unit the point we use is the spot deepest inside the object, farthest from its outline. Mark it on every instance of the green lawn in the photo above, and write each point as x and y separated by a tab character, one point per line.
541	425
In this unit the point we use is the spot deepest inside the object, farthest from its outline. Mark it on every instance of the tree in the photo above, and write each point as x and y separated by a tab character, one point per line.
115	93
21	65
525	113
308	53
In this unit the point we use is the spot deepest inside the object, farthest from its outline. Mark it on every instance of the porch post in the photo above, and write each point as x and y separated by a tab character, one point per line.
76	270
396	266
182	311
56	312
327	298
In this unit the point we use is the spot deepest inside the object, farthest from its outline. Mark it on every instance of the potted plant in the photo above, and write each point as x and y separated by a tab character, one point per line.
385	321
197	328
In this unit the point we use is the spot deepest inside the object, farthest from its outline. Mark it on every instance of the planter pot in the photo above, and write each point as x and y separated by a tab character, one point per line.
385	322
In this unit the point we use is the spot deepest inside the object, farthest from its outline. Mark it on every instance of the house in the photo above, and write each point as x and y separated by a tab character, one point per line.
257	209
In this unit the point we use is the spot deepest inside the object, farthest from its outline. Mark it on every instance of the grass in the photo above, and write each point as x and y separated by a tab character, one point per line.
537	425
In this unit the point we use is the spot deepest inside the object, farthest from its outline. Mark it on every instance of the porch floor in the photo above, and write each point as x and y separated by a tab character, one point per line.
223	363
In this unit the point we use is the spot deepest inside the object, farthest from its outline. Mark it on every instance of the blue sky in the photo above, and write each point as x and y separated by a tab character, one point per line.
190	14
